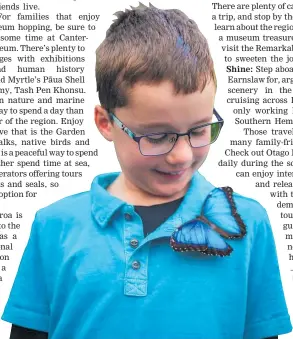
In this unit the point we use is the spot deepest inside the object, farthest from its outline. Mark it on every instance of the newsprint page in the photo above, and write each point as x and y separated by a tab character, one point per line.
50	147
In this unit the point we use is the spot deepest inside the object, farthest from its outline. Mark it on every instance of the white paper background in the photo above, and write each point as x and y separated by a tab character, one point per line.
201	12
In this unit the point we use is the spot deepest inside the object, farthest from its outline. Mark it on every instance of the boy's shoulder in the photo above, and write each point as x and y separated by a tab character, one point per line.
80	209
57	220
81	202
254	216
219	210
249	205
70	205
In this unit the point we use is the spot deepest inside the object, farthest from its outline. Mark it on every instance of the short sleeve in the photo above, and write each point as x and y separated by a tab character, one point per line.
267	313
27	305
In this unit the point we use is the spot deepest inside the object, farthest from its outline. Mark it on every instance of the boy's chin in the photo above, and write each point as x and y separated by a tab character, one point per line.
170	191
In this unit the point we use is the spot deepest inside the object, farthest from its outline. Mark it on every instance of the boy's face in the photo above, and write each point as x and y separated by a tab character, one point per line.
155	108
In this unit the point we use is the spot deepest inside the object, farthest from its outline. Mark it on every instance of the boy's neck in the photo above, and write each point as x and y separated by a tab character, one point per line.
123	190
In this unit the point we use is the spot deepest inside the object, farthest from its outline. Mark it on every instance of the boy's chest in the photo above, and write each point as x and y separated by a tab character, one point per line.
132	266
154	284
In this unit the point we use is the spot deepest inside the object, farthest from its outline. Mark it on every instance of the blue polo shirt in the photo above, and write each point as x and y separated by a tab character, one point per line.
88	272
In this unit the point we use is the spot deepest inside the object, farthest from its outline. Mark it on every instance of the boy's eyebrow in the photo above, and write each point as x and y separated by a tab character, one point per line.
167	125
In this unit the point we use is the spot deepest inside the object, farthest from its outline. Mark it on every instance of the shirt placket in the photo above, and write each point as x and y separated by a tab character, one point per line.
137	249
136	256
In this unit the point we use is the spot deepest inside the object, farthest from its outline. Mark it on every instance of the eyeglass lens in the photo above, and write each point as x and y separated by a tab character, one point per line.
162	143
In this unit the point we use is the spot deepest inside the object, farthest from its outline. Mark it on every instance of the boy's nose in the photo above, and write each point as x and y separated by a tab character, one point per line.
182	152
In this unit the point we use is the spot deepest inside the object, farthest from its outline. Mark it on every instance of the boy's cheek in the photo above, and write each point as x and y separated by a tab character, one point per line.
138	163
201	155
203	151
127	154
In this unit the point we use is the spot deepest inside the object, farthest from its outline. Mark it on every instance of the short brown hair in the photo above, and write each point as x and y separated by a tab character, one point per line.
150	45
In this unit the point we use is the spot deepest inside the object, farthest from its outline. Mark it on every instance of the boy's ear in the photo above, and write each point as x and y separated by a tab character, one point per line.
103	123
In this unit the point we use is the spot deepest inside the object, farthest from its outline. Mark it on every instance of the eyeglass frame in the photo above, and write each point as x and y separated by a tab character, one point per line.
136	138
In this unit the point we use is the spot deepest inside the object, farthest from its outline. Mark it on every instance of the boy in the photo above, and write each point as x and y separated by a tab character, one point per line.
103	266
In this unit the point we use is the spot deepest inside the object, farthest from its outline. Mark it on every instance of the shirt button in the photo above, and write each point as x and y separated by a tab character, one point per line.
133	243
127	216
136	265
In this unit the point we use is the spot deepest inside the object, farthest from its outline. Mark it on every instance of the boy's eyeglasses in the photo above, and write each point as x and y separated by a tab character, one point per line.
162	143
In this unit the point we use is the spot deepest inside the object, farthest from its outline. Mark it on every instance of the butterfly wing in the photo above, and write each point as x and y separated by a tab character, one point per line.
197	235
220	209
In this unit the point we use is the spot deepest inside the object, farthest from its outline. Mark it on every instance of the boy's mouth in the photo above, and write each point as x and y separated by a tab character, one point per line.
174	174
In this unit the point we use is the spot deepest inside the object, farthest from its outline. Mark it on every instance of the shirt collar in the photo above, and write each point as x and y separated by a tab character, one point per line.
104	205
189	208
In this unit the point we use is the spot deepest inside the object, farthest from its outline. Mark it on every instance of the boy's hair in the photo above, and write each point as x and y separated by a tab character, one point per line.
150	45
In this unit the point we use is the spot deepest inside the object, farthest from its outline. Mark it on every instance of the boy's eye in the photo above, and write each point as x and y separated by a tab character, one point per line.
198	131
156	139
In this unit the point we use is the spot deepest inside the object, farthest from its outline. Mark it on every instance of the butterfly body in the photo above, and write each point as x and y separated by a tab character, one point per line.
218	220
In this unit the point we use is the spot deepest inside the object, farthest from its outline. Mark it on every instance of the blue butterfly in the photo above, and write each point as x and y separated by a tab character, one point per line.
218	220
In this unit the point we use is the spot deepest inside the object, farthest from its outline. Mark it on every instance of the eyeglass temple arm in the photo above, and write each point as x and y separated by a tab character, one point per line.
122	126
218	116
